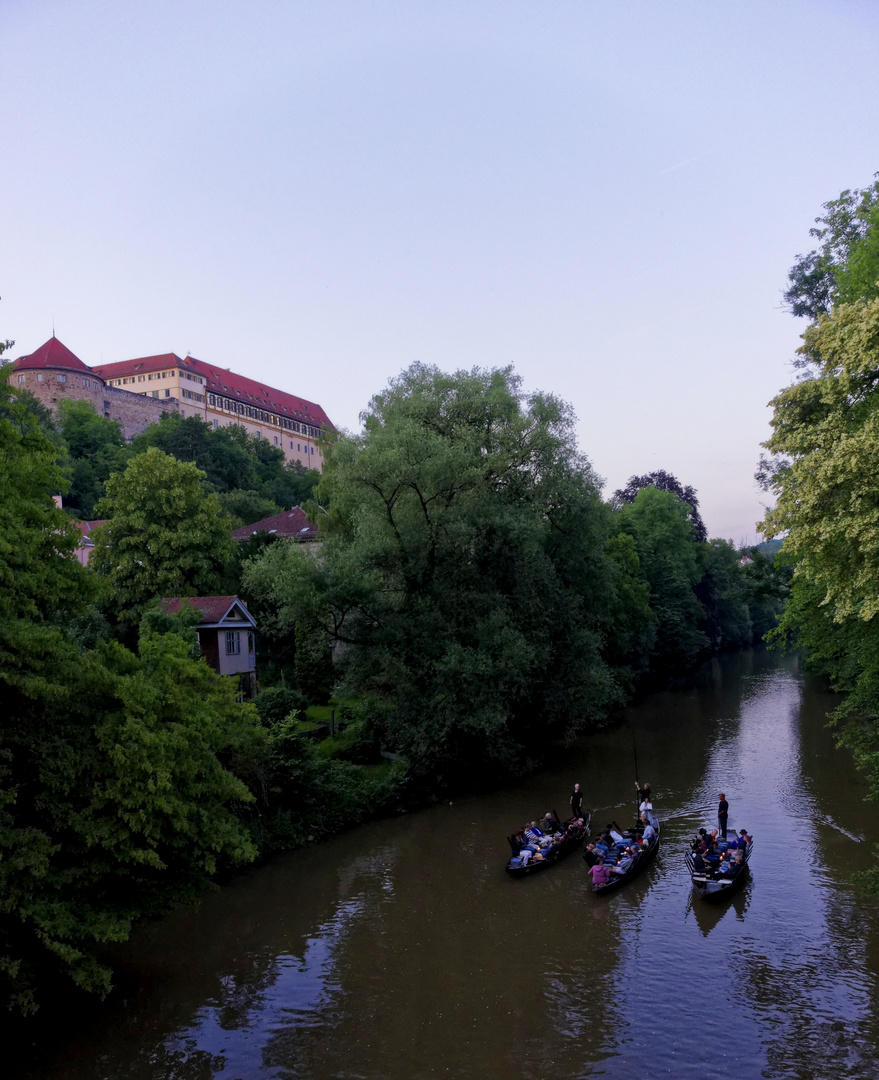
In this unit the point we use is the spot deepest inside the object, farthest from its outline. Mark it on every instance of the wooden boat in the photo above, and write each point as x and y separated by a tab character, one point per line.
645	857
571	838
714	886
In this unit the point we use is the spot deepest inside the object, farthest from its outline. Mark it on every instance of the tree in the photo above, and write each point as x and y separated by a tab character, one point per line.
462	568
232	460
722	591
827	496
660	526
664	481
118	795
166	535
96	447
822	471
845	267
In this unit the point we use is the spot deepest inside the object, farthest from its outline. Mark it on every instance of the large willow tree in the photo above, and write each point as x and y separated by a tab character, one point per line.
462	572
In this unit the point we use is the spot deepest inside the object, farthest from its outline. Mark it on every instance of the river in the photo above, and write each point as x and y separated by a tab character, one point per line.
401	950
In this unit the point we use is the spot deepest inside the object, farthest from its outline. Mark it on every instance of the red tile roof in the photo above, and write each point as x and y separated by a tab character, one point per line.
213	608
142	365
292	525
52	355
225	383
86	527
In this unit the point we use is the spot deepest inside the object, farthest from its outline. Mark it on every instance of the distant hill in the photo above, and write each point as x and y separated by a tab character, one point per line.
769	548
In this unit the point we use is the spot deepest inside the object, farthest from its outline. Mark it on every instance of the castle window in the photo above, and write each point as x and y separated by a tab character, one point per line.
20	379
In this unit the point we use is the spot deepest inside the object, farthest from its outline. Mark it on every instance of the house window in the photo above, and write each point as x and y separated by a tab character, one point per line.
233	642
216	424
20	379
39	376
250	644
276	440
167	393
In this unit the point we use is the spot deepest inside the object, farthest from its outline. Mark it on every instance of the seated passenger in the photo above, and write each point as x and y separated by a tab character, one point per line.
600	874
648	834
533	831
699	865
592	855
625	862
615	836
747	839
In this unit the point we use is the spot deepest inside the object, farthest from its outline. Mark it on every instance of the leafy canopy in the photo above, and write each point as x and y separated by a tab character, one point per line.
845	266
165	535
463	567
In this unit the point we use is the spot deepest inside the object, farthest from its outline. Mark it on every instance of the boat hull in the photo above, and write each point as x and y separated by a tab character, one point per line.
645	859
559	852
715	890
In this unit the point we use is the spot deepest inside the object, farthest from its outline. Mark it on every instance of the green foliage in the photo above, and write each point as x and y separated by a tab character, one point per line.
41	585
825	430
313	796
276	703
119	772
659	524
166	536
828	495
463	569
233	462
96	448
723	594
663	481
117	799
247	507
845	267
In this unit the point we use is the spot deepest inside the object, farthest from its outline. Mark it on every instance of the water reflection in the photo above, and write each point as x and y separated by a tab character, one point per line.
403	951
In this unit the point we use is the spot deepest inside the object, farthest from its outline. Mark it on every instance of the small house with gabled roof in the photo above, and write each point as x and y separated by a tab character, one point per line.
226	635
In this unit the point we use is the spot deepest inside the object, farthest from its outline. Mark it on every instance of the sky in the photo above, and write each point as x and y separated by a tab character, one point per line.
607	196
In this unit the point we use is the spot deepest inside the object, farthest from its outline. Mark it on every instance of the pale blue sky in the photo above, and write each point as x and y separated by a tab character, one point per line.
606	195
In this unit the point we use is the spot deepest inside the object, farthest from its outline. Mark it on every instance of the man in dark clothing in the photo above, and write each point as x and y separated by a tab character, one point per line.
722	813
576	802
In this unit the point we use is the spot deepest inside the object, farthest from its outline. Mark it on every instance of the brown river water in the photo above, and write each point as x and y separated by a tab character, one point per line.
402	950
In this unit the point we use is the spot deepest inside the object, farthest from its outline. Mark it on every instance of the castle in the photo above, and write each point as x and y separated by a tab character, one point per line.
137	392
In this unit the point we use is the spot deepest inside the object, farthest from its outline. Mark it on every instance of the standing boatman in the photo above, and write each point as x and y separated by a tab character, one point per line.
722	814
576	802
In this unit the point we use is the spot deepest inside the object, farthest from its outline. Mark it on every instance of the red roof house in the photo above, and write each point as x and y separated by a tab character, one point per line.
291	525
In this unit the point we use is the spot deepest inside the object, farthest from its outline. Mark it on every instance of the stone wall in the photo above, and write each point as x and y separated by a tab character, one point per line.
133	411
